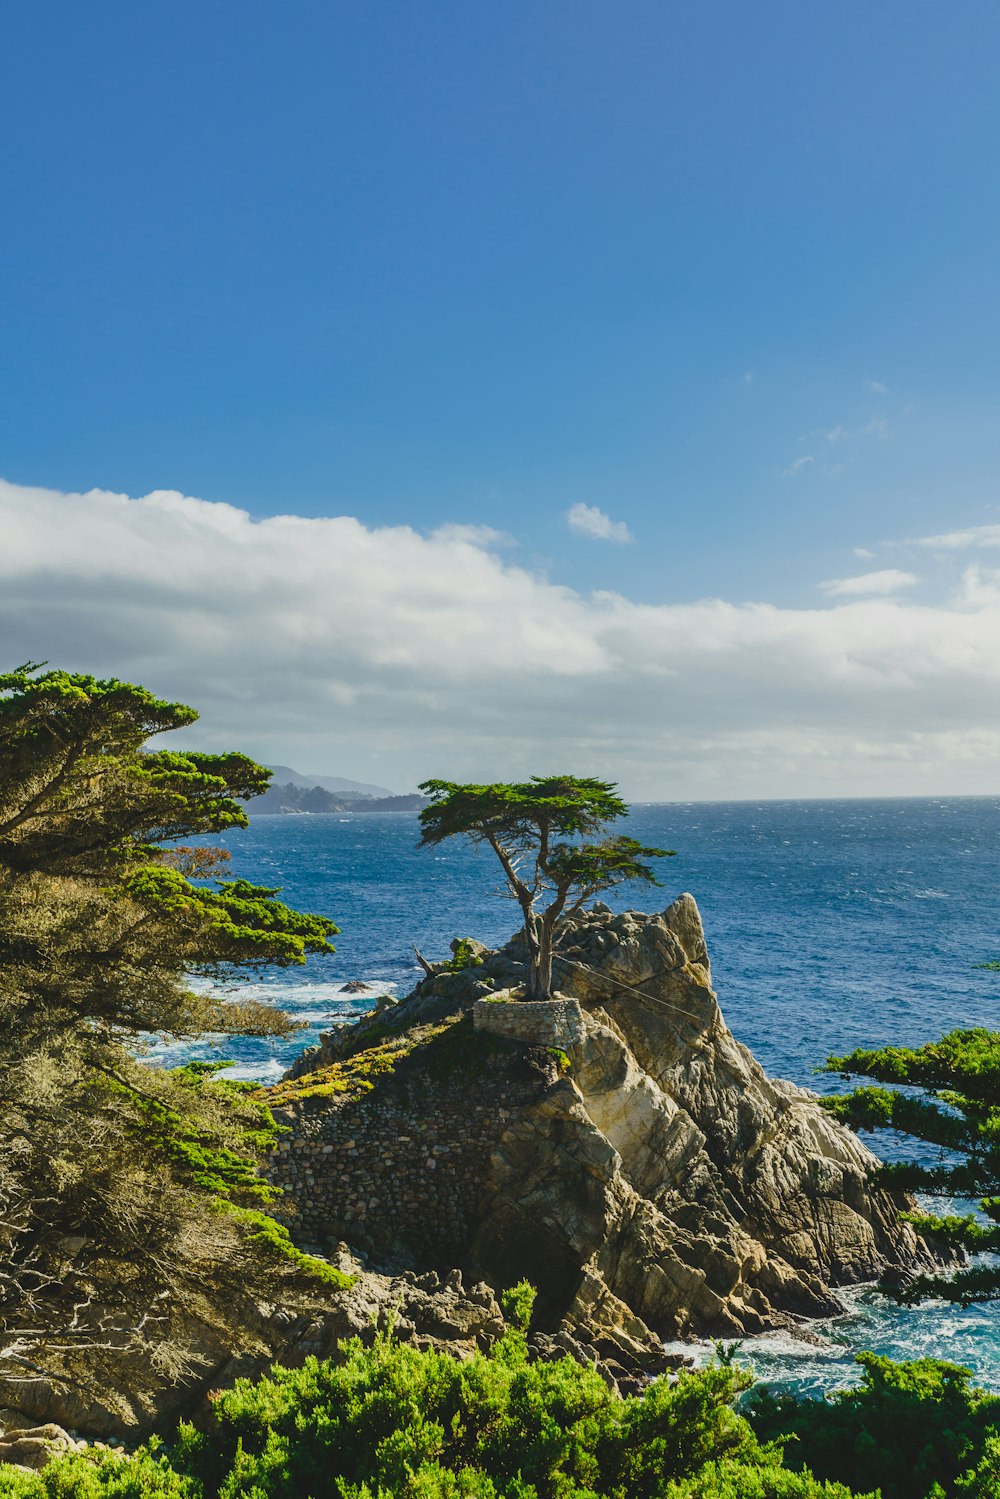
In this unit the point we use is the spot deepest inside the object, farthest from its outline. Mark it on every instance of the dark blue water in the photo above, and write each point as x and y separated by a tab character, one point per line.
830	925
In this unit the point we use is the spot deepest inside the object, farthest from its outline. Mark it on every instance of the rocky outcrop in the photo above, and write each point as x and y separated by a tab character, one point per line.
25	1444
129	1397
620	1149
703	1195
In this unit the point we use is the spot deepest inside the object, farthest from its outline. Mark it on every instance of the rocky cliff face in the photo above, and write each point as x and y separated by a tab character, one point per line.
619	1148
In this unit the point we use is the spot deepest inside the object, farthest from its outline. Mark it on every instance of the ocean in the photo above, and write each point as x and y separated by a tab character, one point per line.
830	924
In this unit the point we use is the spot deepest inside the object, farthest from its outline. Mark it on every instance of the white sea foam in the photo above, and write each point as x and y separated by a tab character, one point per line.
821	1356
315	1006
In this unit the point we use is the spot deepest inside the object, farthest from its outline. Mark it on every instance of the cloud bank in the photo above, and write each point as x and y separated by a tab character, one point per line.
389	655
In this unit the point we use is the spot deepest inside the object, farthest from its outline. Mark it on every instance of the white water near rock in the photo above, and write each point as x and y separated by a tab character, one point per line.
822	1358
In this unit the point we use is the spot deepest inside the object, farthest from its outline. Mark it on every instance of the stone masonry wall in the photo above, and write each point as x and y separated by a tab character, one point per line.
399	1173
547	1022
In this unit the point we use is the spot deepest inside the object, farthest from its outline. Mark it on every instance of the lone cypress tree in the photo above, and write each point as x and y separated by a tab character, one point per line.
529	825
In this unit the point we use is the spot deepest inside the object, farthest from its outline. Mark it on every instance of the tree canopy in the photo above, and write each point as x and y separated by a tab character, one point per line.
957	1110
539	831
152	1172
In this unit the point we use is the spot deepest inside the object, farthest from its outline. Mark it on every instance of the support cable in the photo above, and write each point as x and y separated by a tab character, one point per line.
631	988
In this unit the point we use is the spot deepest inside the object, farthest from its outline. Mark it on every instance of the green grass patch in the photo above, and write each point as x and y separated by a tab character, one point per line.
353	1077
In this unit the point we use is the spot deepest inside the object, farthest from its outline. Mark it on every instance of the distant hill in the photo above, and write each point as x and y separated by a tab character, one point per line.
288	798
284	775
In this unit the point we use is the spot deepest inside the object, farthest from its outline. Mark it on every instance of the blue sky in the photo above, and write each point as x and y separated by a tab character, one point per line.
724	273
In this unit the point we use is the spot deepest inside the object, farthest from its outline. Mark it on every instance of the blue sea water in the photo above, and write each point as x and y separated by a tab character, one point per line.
831	925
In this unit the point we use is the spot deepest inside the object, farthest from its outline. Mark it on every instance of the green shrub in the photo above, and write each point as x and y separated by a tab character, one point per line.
463	956
918	1430
518	1303
101	1476
390	1422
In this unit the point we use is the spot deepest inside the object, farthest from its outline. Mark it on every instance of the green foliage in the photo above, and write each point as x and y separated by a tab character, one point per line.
179	1130
518	1304
566	805
965	1060
725	1353
78	790
919	1430
354	1076
463	956
237	923
101	1476
538	830
957	1111
262	1232
389	1422
100	928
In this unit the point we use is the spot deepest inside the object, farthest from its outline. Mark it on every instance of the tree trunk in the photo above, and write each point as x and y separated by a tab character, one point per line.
539	984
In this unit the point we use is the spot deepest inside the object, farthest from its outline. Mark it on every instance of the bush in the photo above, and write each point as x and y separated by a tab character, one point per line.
919	1430
390	1422
518	1303
101	1476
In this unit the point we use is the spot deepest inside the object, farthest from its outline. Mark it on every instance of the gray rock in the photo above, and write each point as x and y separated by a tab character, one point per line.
667	1178
666	1186
31	1446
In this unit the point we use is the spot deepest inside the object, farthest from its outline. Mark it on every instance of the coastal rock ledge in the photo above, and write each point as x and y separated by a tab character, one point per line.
618	1146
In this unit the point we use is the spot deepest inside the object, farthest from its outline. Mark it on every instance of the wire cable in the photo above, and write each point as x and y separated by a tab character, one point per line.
631	988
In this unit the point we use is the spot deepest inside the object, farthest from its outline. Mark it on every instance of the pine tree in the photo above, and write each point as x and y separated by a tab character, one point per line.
536	829
957	1110
127	1192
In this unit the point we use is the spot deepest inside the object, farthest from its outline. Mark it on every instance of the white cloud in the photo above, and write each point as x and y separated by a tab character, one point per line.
980	587
590	520
480	536
888	580
878	426
836	434
798	465
863	553
388	655
976	537
876	388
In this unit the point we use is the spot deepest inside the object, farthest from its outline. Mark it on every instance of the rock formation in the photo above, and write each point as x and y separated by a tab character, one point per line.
617	1146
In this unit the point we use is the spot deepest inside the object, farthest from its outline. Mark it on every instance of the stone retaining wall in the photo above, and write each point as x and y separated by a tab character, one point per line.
547	1022
399	1173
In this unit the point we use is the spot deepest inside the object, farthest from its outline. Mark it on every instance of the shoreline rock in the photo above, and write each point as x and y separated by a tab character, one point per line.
617	1147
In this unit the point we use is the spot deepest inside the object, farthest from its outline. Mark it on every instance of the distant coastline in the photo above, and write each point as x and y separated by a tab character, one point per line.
291	800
